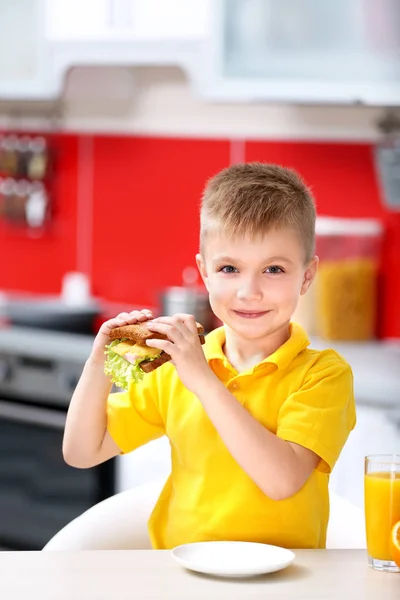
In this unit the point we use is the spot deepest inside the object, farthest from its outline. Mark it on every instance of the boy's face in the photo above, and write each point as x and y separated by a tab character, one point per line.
255	284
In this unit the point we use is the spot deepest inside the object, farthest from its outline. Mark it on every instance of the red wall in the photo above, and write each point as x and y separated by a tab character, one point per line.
127	212
147	193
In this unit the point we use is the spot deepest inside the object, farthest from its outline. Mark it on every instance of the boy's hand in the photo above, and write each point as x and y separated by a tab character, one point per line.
103	336
184	346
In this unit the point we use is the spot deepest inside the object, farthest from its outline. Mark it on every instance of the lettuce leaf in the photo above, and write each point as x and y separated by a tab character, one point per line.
121	371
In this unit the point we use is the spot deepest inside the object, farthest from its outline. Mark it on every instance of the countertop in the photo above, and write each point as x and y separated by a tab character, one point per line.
315	574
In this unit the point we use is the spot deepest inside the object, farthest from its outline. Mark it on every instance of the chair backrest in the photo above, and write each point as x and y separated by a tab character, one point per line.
346	528
117	523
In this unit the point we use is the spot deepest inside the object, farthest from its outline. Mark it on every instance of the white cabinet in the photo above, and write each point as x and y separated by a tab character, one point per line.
24	53
306	51
134	20
310	51
41	40
377	432
62	24
125	33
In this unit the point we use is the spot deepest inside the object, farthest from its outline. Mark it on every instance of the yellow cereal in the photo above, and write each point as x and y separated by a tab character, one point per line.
346	299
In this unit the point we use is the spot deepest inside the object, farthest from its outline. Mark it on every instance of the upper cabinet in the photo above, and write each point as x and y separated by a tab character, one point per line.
301	51
23	50
306	51
125	32
127	20
41	40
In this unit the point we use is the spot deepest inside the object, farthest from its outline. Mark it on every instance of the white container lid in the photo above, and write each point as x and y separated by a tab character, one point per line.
342	226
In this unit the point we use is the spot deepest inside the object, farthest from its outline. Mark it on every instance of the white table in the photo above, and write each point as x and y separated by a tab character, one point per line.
142	574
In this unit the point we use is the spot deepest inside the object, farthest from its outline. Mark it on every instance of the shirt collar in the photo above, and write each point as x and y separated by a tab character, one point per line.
285	354
282	357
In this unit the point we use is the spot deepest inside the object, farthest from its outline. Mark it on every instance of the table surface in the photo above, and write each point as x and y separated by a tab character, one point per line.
319	574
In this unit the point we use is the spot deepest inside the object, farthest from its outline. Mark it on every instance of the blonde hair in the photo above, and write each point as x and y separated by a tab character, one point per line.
251	198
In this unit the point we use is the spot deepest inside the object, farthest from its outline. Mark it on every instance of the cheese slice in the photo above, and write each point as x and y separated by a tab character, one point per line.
141	351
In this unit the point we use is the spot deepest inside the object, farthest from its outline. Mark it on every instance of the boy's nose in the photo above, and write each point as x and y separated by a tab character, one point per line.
249	291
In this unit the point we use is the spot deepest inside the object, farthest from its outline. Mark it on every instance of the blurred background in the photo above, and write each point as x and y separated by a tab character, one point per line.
113	114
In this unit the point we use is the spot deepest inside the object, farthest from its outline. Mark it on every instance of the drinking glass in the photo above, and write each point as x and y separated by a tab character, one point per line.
382	510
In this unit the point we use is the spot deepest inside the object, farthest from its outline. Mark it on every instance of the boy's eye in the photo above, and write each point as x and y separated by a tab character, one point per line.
228	269
274	270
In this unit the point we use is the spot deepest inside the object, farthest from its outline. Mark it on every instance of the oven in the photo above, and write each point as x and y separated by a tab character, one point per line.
39	492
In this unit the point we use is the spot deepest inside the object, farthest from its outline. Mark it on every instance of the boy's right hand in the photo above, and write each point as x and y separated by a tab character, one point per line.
103	337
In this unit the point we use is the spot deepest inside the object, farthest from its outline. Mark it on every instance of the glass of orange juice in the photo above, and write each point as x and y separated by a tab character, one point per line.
382	511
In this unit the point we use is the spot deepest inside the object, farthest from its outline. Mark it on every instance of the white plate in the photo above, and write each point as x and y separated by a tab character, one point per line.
233	559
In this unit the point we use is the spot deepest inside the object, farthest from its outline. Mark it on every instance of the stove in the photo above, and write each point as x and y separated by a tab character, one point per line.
41	366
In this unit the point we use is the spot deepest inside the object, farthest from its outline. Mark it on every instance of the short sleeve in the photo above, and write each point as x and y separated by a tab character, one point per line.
133	417
321	414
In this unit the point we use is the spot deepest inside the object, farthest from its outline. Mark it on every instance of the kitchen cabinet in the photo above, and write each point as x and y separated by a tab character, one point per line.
41	40
113	20
125	33
24	51
305	51
233	50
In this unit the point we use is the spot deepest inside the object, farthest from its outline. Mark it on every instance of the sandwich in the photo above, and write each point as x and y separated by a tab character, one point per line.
127	356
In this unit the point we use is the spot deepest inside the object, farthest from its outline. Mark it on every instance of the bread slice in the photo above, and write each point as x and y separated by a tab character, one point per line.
139	333
151	365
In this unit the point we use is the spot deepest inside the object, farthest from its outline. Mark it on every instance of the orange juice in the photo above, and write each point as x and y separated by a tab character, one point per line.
382	511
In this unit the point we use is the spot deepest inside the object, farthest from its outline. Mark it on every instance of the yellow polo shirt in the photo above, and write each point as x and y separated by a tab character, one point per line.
301	395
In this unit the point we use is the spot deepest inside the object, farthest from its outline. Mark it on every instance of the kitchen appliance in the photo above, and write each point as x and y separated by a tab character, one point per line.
39	492
51	313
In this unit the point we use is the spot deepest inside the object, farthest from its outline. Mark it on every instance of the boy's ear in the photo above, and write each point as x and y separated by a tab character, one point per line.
309	274
202	269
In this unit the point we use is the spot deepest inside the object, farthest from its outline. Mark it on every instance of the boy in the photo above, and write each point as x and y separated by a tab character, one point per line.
255	419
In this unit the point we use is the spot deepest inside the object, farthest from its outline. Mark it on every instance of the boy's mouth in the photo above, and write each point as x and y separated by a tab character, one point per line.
247	314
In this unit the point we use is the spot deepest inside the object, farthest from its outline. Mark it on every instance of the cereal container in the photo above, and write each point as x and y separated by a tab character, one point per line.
346	283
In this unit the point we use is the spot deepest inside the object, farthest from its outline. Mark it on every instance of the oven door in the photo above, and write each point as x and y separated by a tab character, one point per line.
39	492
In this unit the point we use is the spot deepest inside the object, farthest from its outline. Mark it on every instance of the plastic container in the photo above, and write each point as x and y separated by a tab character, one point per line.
346	282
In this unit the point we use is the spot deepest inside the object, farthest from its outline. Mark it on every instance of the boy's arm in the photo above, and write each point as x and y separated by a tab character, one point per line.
279	468
86	442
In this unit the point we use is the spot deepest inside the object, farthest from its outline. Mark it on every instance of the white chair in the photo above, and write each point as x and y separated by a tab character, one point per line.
346	528
120	523
117	523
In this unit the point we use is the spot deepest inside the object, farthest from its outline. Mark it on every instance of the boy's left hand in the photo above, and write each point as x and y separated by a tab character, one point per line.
184	346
